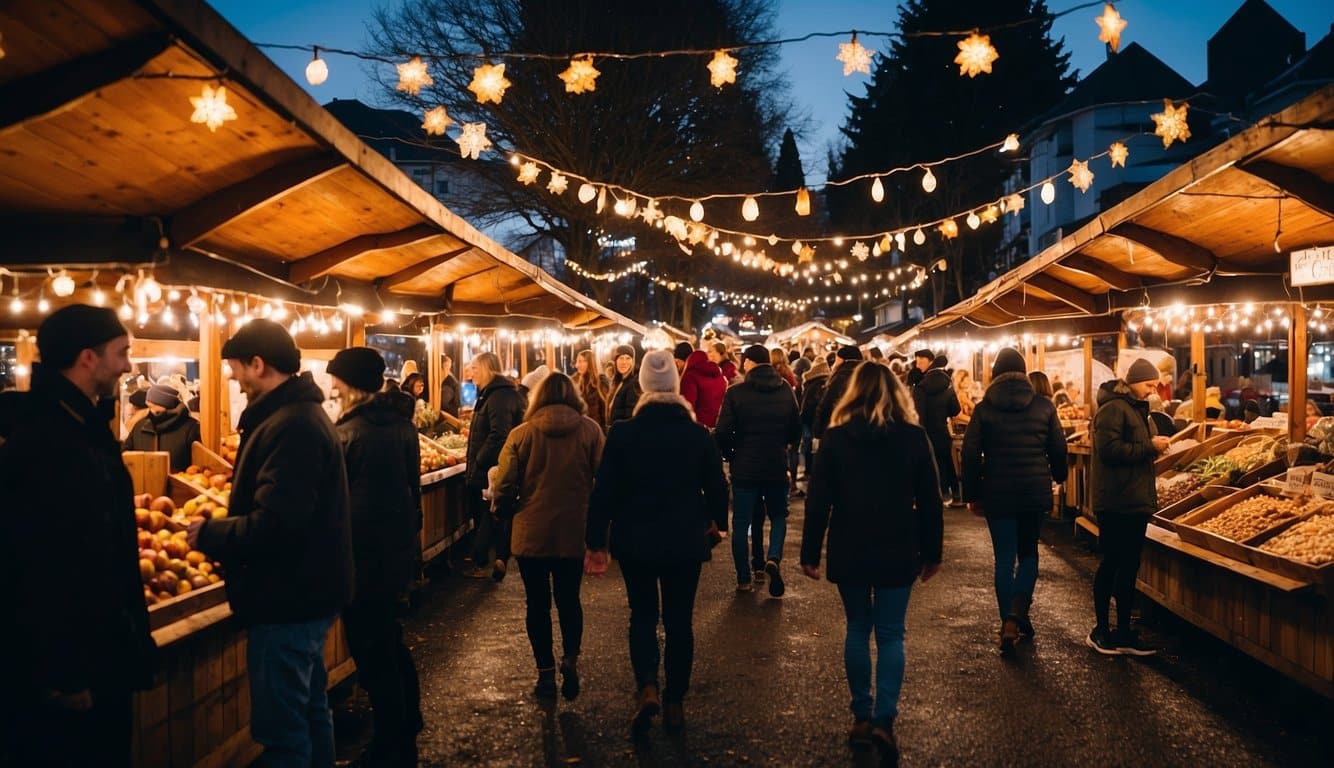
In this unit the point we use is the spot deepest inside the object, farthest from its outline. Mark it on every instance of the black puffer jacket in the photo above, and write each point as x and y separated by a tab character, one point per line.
499	409
758	421
449	395
73	608
813	392
383	461
286	543
1014	448
659	487
936	403
881	531
834	389
173	431
625	395
1121	471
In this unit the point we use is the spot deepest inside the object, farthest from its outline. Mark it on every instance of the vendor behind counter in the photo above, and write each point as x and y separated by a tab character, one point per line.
167	427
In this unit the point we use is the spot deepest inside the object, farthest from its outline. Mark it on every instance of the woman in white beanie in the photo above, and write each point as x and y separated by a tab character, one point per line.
661	532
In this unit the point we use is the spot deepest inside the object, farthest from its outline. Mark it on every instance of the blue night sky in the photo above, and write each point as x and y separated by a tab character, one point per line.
1176	31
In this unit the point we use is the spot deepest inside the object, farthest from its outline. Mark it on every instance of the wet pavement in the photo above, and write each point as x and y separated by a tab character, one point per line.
768	685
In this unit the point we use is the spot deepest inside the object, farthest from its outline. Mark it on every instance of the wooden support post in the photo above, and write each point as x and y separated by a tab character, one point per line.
1297	376
433	352
1090	397
1198	380
213	387
25	352
986	368
1041	362
356	332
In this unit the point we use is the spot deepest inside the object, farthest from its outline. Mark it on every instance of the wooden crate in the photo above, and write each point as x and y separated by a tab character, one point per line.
149	470
444	515
1213	446
1295	569
1188	531
1167	516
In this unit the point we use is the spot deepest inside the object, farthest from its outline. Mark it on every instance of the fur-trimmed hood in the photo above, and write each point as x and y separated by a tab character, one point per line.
663	399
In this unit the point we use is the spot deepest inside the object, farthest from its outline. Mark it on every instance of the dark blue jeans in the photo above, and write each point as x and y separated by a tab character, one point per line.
884	610
289	707
663	589
745	505
1014	542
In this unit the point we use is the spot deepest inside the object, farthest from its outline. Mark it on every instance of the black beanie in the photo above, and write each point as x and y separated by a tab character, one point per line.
757	353
624	349
360	367
849	352
682	351
940	362
1008	361
928	354
266	340
70	330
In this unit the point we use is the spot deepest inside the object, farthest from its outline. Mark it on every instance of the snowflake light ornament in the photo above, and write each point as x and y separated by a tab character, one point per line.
860	251
1171	124
1080	175
650	213
1013	204
437	120
473	141
211	108
949	228
528	173
722	69
489	83
855	57
1110	25
581	77
413	76
975	55
990	214
557	184
1118	152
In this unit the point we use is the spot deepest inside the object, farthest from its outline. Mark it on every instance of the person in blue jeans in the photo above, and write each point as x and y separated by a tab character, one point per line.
875	491
758	423
1012	452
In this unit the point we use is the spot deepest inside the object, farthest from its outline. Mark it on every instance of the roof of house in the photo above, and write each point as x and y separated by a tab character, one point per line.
395	133
1132	75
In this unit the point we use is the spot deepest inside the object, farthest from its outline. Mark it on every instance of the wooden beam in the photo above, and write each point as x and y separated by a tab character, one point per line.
1084	302
417	270
1218	290
204	217
1113	277
320	264
1177	250
64	85
1297	182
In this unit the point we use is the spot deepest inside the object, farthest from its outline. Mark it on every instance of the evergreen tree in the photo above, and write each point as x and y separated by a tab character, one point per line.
787	171
918	108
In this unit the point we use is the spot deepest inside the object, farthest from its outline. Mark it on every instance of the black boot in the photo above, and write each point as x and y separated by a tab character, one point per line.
1019	606
546	684
569	672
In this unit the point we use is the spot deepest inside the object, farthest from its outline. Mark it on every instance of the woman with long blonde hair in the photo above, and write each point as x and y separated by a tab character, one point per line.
592	389
875	490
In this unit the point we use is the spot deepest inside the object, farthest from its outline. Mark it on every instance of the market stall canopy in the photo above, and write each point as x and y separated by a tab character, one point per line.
807	333
1220	227
100	163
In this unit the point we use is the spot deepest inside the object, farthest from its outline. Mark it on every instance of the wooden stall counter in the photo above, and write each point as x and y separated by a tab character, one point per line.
444	512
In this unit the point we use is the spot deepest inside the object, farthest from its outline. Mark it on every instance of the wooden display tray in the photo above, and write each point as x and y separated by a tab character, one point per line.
182	606
1263	472
1294	569
148	470
183	491
1168	516
1213	446
1187	530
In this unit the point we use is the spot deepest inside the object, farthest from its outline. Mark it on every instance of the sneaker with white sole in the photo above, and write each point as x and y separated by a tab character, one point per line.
1129	643
1100	640
745	587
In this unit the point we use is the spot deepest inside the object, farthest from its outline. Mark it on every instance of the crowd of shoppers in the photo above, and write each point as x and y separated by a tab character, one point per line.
573	470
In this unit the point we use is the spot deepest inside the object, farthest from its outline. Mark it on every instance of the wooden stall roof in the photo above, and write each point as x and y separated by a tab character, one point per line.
99	163
1204	233
811	328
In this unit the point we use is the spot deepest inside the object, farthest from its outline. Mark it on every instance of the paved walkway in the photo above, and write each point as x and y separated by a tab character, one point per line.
768	684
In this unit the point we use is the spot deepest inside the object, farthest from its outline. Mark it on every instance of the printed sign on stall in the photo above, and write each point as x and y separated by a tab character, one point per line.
1312	266
1322	485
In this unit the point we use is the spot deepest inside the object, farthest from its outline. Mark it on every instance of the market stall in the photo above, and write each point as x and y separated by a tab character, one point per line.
115	194
811	334
1225	253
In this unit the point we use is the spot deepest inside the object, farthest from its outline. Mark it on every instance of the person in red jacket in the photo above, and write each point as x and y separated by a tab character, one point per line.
703	386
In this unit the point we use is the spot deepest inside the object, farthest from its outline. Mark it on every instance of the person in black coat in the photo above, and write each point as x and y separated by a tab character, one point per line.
921	363
167	427
1012	452
758	423
383	459
624	385
937	403
874	489
846	360
286	543
449	388
661	497
75	624
499	409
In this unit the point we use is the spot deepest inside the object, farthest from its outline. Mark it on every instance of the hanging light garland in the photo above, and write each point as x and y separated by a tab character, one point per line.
1171	124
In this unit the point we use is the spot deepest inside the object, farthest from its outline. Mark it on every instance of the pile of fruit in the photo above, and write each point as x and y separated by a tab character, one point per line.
215	482
1072	412
1251	517
231	444
1310	541
1174	489
1233	424
167	565
453	442
435	456
1253	452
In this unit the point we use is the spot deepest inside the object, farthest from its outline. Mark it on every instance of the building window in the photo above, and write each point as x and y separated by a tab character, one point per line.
441	186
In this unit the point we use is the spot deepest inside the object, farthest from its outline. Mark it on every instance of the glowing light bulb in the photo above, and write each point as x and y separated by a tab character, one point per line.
929	181
877	190
697	211
1048	192
317	71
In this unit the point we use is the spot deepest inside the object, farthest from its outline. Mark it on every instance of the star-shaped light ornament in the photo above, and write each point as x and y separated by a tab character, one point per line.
581	77
675	226
855	57
413	76
807	254
1110	25
437	120
211	108
859	251
1080	175
650	213
1118	152
1012	204
990	214
722	69
949	228
473	141
975	55
528	173
1171	124
489	83
557	184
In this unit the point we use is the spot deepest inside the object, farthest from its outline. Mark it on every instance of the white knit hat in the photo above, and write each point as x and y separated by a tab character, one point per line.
658	372
535	377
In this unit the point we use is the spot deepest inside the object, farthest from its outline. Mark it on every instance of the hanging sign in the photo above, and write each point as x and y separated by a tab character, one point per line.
1313	266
